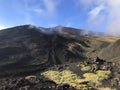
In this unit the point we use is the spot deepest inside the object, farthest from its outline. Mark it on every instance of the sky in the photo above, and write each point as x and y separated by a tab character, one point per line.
96	15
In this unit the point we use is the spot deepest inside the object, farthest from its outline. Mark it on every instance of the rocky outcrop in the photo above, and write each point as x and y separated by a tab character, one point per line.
32	83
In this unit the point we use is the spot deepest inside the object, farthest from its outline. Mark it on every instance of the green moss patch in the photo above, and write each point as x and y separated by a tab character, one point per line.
90	80
65	76
99	76
85	68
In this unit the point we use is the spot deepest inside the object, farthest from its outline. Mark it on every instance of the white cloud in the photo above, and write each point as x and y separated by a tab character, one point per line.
96	11
111	14
114	17
85	3
51	5
32	10
28	19
68	24
89	3
95	18
52	25
2	27
38	11
47	11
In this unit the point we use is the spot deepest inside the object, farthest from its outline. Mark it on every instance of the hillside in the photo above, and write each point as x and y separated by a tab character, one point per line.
32	49
112	52
57	56
29	46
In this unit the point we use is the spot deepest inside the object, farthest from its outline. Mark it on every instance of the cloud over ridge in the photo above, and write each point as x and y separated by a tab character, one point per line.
96	16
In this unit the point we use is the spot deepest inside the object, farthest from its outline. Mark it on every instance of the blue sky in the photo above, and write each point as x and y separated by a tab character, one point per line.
98	15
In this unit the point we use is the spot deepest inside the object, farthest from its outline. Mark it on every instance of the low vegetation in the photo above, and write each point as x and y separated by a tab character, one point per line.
65	76
98	76
85	68
90	80
106	88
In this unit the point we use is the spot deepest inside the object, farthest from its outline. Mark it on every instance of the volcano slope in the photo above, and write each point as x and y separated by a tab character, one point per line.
29	50
25	48
112	52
